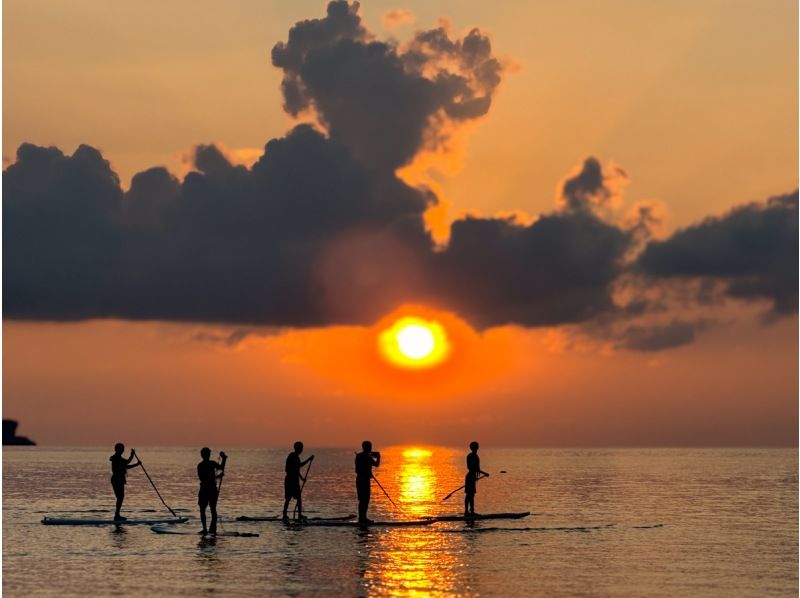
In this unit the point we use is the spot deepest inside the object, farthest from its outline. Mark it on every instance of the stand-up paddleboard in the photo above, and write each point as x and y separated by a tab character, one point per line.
176	532
482	517
319	523
66	521
279	518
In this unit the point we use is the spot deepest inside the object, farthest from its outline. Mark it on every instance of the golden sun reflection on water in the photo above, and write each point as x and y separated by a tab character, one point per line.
416	561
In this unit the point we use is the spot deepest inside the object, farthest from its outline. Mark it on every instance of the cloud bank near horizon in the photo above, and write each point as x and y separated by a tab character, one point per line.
322	231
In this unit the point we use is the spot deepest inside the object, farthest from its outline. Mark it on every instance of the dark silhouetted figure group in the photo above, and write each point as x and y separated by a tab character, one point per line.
208	472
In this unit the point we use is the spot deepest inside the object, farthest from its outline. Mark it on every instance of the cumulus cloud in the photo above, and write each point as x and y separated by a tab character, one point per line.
556	270
320	229
383	102
752	251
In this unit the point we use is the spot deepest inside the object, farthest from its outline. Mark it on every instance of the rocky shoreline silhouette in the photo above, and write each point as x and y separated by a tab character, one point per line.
10	435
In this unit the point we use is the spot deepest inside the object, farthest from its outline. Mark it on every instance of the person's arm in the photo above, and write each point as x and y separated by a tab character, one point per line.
138	461
303	463
376	459
222	466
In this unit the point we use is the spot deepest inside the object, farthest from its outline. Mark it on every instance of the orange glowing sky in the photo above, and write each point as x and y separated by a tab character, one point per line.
696	100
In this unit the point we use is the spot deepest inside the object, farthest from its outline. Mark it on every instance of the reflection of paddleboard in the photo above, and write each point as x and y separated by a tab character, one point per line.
278	518
176	532
373	524
59	521
477	517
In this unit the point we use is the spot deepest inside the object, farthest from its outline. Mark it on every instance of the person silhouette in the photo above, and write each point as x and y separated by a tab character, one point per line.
471	480
291	484
207	497
365	461
119	473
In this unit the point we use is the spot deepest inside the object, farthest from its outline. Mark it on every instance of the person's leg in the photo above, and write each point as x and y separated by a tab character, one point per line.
202	504
119	492
213	505
299	506
362	504
366	501
285	507
466	505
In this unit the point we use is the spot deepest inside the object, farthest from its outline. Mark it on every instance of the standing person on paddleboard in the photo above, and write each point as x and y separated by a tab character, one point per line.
119	473
291	484
474	471
207	497
365	461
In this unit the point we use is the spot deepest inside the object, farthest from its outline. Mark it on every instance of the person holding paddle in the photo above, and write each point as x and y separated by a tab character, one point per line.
474	472
291	484
365	461
119	473
207	497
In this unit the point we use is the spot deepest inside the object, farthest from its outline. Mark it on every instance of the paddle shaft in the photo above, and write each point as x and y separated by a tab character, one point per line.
461	488
303	485
154	487
384	491
219	488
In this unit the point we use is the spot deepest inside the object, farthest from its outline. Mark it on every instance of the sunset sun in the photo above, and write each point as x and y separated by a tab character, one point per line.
412	342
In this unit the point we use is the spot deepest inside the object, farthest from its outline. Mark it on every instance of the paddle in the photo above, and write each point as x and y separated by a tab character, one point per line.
461	488
384	491
154	487
303	485
224	458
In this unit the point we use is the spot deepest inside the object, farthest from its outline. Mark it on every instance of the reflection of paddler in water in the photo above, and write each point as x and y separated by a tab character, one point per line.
119	472
207	497
474	472
365	461
291	484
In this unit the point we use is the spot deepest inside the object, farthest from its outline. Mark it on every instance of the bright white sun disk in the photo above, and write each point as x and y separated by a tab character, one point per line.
415	341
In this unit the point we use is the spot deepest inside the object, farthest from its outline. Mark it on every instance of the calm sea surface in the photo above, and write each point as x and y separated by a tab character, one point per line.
627	522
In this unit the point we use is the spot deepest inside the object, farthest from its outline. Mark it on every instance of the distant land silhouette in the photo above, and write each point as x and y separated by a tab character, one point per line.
10	434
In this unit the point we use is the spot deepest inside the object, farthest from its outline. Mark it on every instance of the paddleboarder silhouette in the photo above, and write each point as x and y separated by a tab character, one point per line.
119	473
365	461
207	497
291	484
474	471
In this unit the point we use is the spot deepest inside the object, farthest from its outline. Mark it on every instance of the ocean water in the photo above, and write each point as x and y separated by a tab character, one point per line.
627	522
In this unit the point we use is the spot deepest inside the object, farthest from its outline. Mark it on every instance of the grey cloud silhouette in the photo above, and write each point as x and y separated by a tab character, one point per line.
591	187
384	103
752	250
321	231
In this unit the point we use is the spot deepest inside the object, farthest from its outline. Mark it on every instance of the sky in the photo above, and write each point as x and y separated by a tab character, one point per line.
211	212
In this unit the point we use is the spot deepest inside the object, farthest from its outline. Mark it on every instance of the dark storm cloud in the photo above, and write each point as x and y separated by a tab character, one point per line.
557	270
227	244
753	251
321	231
308	236
384	103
